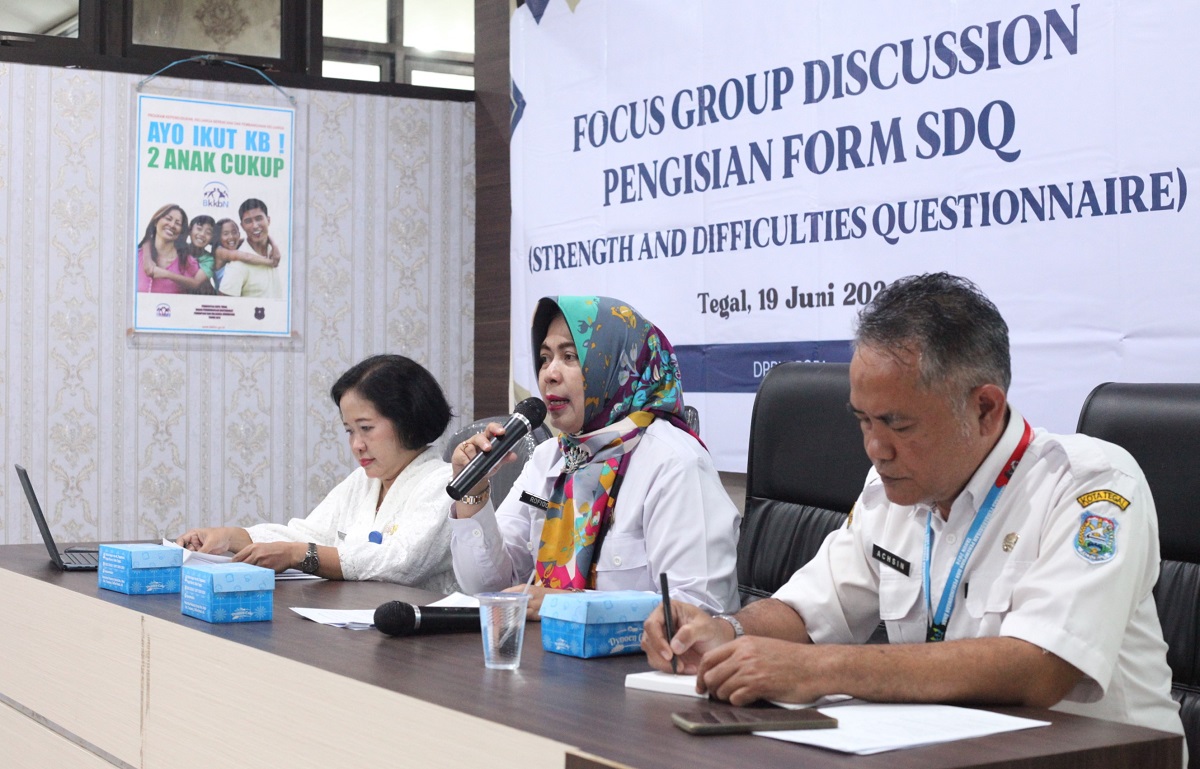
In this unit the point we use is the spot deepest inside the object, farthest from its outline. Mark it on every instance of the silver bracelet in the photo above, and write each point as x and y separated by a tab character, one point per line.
738	630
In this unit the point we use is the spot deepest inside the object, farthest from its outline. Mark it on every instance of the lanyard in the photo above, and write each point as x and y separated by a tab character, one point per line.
939	621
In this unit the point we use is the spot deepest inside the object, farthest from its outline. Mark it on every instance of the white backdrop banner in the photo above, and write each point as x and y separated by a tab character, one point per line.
749	175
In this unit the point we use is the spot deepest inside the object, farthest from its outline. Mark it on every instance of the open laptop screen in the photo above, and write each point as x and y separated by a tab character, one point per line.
76	560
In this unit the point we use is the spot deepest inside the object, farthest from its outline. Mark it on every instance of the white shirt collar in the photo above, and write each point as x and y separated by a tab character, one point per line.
985	475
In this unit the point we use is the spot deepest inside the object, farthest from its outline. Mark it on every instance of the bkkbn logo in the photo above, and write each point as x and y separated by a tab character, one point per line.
216	195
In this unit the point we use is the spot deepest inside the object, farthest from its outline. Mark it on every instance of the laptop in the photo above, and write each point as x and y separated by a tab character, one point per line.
72	559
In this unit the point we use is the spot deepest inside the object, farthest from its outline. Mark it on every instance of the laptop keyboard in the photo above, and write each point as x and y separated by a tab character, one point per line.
85	558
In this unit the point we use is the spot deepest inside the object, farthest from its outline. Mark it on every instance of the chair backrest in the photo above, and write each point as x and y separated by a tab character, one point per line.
504	478
692	417
1159	424
805	469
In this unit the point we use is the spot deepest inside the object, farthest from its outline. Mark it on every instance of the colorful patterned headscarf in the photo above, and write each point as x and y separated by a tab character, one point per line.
630	378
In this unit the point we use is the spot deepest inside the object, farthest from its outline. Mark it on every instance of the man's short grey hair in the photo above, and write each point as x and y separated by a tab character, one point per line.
958	334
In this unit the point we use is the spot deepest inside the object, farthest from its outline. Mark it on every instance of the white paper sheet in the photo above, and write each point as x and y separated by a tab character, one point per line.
866	728
192	555
458	599
294	574
685	686
352	619
664	683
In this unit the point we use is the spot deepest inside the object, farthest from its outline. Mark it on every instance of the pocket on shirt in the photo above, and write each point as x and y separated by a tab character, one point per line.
622	553
990	597
901	607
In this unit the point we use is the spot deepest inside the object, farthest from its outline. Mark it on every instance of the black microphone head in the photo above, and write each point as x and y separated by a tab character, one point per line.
396	618
532	409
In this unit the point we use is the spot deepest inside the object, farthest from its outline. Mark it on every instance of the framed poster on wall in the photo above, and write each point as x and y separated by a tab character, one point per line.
212	217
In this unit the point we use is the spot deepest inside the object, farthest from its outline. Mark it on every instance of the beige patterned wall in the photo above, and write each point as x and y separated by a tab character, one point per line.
133	437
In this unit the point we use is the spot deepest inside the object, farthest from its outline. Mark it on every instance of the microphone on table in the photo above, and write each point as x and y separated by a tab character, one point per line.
403	619
527	417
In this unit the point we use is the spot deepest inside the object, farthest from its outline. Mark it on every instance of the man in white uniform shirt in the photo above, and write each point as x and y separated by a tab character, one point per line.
1010	565
244	279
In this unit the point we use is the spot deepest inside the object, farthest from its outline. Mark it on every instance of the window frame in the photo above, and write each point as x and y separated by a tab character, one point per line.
292	16
105	43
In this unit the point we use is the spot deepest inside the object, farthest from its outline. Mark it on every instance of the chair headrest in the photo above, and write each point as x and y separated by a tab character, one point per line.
805	447
1159	424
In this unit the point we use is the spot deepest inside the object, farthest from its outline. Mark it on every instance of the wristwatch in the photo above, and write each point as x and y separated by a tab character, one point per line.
311	562
738	631
477	499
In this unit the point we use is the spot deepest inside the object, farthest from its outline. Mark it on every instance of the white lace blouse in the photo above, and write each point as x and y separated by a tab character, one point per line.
412	522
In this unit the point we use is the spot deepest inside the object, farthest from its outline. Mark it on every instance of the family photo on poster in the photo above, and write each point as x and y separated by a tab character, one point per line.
214	195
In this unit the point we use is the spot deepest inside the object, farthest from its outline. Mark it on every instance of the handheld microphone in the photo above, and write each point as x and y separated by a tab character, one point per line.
527	417
403	619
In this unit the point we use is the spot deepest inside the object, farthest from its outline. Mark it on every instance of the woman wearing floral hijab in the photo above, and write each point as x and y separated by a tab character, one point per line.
625	493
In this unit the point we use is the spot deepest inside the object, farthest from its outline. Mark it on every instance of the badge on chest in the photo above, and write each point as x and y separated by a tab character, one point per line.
890	559
538	502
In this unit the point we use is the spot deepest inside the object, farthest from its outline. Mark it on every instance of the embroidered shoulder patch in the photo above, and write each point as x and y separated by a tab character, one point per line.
1096	541
1103	495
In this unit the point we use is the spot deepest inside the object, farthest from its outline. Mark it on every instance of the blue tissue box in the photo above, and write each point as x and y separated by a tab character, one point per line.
228	592
595	624
139	569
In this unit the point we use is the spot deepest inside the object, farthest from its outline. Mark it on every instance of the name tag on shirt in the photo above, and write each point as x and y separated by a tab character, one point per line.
538	502
890	559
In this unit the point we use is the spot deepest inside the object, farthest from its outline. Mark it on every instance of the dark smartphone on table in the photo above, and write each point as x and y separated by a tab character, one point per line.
744	720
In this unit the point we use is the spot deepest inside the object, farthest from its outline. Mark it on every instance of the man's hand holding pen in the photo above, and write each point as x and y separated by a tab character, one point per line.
741	673
696	634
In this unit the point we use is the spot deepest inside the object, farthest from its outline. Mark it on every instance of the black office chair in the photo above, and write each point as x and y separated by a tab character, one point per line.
1159	424
507	475
805	469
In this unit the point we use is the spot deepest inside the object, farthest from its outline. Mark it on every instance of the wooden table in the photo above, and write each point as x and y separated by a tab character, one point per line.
100	679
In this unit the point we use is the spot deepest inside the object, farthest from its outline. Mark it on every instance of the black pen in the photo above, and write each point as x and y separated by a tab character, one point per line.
666	604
